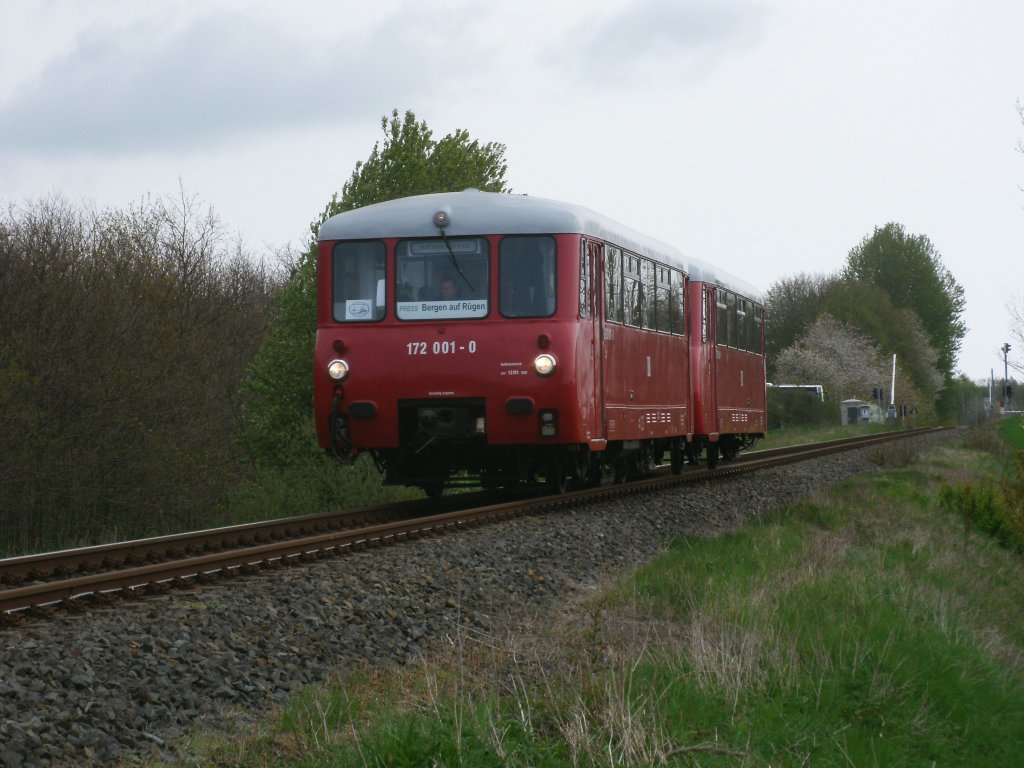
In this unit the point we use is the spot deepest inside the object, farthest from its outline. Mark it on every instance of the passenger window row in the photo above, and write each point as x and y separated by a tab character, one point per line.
644	293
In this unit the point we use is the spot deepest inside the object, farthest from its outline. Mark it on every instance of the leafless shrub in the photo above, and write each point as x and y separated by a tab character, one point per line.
123	336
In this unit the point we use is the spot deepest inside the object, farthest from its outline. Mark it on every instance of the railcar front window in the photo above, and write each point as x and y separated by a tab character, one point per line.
526	271
437	280
359	279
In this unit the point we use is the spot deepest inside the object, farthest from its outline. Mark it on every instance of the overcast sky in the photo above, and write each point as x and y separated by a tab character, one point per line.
770	137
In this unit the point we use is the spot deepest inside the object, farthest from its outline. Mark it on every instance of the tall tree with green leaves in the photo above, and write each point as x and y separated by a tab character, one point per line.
410	163
278	425
909	268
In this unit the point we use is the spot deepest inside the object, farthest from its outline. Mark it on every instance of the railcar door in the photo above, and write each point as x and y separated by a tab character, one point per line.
591	294
704	350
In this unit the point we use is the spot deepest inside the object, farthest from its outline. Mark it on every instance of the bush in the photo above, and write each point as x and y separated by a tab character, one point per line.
792	407
986	509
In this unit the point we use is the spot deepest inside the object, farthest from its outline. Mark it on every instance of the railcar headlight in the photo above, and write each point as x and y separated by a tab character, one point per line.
337	369
544	365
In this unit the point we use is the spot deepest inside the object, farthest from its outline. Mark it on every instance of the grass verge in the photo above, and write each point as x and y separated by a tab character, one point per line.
798	435
865	626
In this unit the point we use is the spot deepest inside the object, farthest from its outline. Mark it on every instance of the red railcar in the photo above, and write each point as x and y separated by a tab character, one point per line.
485	339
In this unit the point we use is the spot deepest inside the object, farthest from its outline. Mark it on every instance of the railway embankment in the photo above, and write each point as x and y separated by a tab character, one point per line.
120	684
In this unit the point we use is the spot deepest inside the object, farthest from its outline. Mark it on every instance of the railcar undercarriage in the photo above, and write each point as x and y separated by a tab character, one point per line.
444	445
438	465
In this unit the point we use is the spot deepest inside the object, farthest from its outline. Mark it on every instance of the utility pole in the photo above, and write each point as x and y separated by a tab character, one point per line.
891	415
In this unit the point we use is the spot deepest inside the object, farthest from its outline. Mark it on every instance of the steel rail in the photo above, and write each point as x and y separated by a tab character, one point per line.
14	570
134	579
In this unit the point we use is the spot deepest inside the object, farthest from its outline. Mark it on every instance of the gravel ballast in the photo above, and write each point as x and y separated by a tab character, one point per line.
130	680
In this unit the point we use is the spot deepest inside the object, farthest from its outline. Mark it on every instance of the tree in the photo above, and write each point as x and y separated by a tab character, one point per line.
835	355
412	163
278	424
848	364
1016	309
910	270
892	329
793	306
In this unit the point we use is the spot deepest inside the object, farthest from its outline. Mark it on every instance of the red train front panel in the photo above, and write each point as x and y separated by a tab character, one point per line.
423	368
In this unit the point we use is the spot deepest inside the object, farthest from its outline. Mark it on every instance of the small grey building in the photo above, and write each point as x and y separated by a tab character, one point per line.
854	412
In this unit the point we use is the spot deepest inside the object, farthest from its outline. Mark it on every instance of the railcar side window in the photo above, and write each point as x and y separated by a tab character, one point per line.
526	273
722	335
438	280
751	330
742	337
632	291
647	293
704	318
613	282
662	319
358	270
758	342
677	303
732	335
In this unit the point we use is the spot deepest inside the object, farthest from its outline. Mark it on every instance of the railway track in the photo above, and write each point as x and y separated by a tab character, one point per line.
79	577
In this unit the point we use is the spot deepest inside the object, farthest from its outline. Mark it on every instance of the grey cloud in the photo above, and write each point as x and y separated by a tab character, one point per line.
222	78
666	32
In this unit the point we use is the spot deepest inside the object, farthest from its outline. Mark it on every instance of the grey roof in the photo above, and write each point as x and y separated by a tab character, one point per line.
472	212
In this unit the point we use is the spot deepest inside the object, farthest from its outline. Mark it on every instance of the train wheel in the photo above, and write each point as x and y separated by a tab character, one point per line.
712	455
677	457
692	451
730	448
588	471
434	490
555	477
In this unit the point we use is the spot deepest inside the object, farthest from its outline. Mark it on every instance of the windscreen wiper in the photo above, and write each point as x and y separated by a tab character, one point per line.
455	263
441	219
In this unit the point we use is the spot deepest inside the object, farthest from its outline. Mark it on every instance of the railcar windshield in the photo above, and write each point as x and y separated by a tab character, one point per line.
435	279
526	268
359	274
